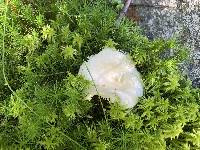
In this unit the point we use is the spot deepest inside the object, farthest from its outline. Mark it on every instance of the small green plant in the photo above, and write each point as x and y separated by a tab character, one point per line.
42	99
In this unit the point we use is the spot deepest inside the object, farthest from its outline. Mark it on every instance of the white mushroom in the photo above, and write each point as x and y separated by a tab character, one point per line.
114	76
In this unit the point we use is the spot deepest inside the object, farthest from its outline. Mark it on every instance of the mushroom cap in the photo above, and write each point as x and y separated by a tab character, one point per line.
114	76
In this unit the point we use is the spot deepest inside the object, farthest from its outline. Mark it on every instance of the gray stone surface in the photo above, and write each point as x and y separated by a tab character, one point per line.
172	18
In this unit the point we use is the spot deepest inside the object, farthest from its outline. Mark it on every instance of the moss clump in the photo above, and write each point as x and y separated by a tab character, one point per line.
42	99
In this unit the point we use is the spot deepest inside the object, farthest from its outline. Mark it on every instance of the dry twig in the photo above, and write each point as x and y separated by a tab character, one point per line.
123	12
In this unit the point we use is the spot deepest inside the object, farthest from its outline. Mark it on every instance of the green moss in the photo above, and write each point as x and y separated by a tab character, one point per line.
42	99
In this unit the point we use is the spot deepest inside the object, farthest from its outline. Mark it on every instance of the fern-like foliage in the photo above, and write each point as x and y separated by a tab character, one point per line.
43	101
